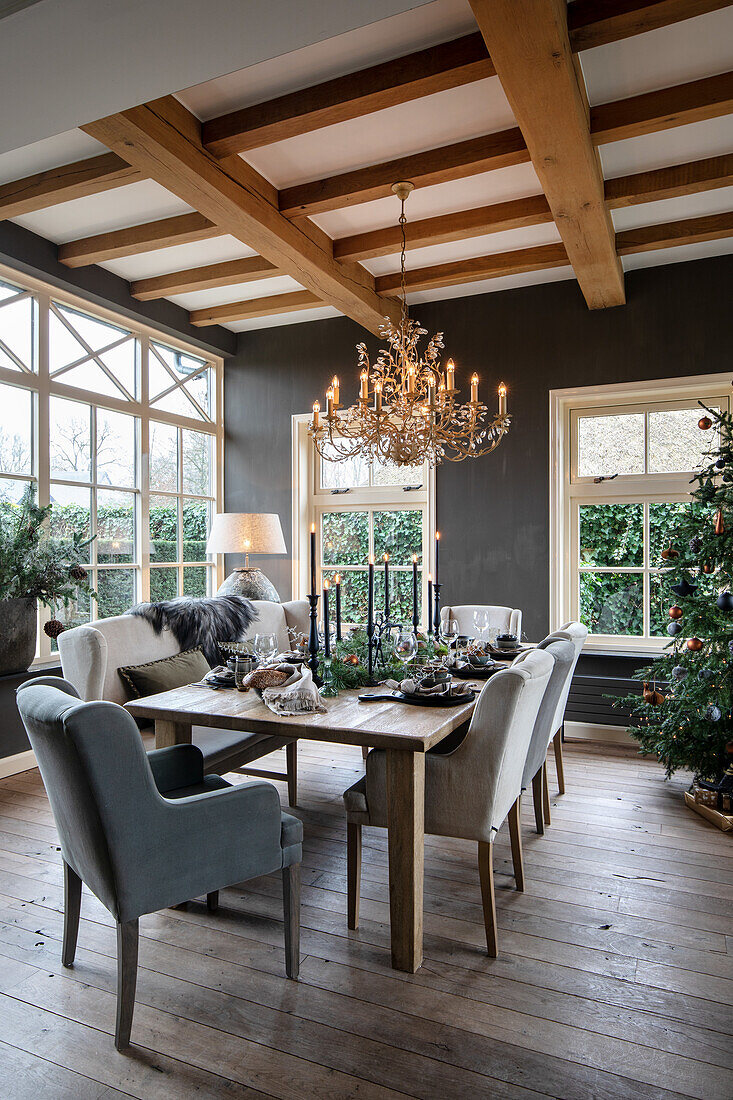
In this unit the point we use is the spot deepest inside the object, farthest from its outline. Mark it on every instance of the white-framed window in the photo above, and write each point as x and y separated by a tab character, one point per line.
621	461
120	429
361	511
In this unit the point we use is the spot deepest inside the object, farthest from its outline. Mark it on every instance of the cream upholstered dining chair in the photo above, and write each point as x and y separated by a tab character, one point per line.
505	620
566	645
469	791
91	655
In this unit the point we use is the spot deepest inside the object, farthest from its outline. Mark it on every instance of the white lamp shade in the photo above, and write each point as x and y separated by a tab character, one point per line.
246	533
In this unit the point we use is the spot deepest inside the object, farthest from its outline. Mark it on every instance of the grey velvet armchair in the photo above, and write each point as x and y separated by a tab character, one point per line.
566	645
148	831
469	791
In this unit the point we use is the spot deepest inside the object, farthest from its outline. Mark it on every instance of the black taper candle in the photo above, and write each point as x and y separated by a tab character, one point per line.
370	618
326	623
415	619
430	605
386	588
338	608
313	560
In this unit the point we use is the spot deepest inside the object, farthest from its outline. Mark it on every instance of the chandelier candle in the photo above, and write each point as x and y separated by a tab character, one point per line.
338	607
415	619
409	411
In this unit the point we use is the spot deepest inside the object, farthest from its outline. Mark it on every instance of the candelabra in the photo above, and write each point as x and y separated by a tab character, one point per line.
313	637
436	616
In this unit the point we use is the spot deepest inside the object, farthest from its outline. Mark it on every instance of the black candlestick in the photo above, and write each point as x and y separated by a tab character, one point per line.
313	639
436	593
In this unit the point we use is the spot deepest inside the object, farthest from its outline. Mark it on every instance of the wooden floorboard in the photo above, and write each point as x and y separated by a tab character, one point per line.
614	979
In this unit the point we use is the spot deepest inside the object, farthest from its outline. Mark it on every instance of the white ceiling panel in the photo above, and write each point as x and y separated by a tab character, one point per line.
668	210
359	49
50	153
684	51
488	286
124	206
263	288
681	254
279	319
428	202
486	245
179	257
440	119
680	144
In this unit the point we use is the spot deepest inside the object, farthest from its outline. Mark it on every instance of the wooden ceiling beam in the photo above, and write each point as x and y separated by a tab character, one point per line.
163	140
435	69
649	238
670	183
520	260
70	181
449	162
447	65
598	22
228	273
136	239
680	105
500	216
534	62
256	307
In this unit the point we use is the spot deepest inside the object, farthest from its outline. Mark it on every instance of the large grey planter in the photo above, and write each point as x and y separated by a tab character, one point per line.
18	626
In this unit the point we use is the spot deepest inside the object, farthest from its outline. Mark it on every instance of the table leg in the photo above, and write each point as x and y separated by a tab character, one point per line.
171	733
406	843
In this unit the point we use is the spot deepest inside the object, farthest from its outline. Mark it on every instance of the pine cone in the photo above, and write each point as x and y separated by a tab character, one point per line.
78	573
53	628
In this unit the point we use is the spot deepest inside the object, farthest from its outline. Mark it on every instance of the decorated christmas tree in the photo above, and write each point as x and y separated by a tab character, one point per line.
684	714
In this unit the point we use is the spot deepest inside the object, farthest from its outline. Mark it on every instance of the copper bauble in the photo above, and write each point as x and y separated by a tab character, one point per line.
675	612
694	644
670	553
708	567
705	423
651	696
719	522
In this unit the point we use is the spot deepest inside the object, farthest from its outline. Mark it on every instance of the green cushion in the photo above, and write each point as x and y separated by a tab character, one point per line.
172	672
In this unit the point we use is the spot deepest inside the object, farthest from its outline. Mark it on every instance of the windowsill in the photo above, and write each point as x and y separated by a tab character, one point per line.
43	664
603	649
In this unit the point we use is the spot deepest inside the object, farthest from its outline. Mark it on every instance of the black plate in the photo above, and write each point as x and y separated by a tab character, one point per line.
506	654
418	700
475	672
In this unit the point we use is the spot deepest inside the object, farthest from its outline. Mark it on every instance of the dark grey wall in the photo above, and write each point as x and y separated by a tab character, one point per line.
492	512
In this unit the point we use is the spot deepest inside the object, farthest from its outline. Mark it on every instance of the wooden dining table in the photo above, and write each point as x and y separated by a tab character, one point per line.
405	732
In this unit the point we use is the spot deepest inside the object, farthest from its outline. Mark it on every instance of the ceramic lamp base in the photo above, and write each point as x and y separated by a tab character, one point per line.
251	583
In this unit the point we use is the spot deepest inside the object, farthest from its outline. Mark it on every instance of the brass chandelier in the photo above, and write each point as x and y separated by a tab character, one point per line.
408	410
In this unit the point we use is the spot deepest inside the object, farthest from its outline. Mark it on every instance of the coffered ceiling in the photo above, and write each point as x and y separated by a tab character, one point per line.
568	143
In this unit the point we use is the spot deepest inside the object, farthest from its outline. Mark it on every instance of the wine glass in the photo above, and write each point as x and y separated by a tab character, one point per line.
450	632
265	647
481	624
405	646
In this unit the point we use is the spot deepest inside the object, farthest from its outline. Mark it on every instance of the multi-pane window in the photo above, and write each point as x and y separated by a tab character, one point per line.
629	472
121	433
364	511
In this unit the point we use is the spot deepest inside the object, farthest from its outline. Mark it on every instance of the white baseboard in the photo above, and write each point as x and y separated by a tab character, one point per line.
21	762
591	731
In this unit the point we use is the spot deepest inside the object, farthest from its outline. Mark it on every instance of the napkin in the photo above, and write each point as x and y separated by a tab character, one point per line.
298	695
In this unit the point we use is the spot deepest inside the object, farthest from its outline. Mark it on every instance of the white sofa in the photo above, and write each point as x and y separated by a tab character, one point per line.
91	655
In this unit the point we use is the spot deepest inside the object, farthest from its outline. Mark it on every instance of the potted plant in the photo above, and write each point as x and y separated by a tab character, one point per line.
34	566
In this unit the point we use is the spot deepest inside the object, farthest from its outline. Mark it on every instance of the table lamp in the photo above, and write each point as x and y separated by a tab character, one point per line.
247	533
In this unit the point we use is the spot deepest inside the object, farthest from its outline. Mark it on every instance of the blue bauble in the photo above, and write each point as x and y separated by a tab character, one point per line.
674	628
713	713
679	672
725	601
705	674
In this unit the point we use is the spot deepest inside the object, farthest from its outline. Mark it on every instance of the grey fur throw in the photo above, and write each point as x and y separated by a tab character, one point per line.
200	621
